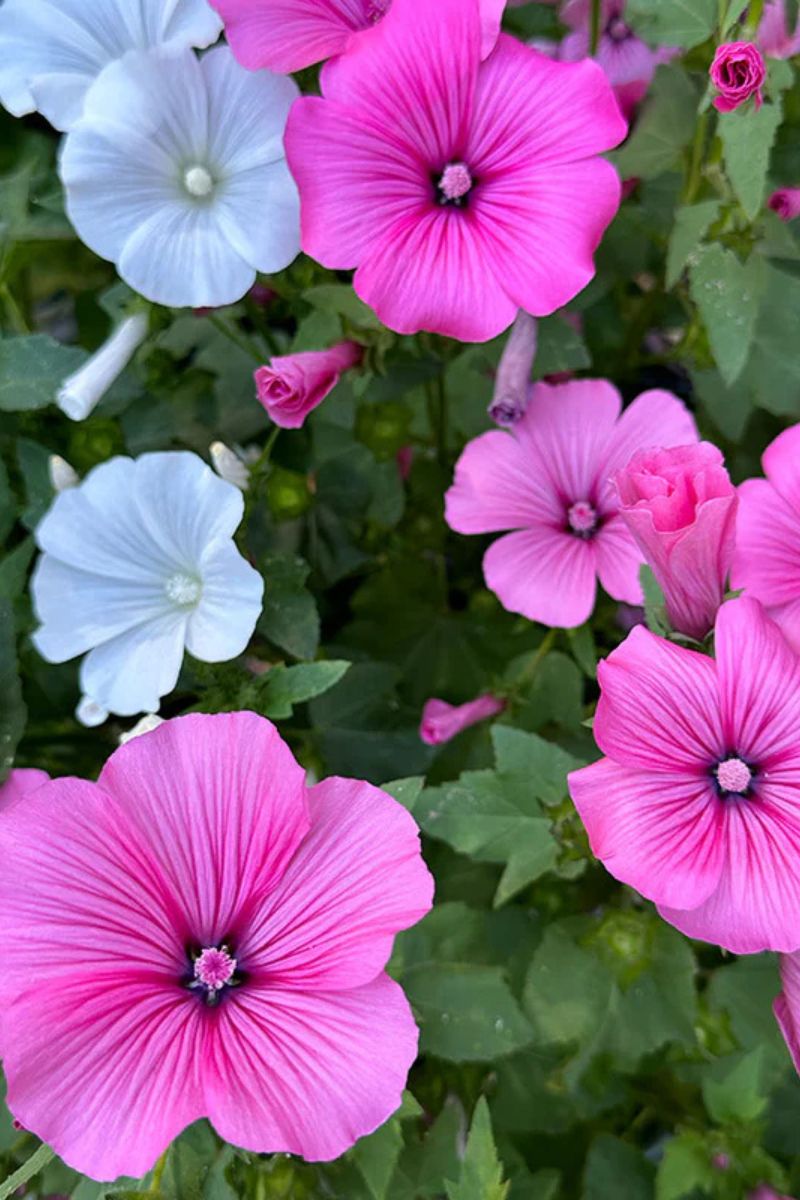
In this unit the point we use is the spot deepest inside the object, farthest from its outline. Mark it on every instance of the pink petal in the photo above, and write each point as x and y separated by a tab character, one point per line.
656	418
545	575
356	881
309	1073
659	707
288	35
766	559
619	561
491	16
220	802
497	486
787	1005
19	783
656	831
759	681
782	465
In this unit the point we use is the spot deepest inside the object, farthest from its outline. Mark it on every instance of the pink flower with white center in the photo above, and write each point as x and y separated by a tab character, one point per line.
629	63
697	804
766	561
461	191
19	783
549	480
441	721
292	385
774	36
738	72
786	203
198	934
288	35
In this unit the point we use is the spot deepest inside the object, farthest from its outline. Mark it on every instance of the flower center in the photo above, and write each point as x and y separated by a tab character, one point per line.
183	590
198	181
582	518
617	30
215	970
733	776
455	184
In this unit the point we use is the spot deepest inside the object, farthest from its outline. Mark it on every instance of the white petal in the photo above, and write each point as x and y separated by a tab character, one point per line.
248	111
90	713
146	724
259	212
184	506
130	673
222	624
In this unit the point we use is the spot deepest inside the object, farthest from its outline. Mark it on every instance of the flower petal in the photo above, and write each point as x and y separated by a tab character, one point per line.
565	432
543	574
21	781
766	559
655	418
184	506
781	466
247	112
497	487
619	561
787	1005
129	673
288	35
356	881
223	622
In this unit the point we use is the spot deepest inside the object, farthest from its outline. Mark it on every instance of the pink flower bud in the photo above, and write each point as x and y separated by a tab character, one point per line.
680	506
294	384
442	721
514	372
737	72
786	203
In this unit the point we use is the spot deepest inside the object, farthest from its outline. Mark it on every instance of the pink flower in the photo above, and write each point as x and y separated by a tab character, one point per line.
513	378
786	203
442	721
550	480
461	191
295	384
765	1192
288	35
19	783
200	935
697	805
774	37
737	72
629	63
766	562
680	506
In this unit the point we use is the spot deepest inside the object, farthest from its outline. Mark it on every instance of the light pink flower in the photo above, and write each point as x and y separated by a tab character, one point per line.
766	562
442	721
629	63
738	72
765	1192
200	935
680	506
292	385
20	782
773	36
786	203
461	191
288	35
697	805
549	479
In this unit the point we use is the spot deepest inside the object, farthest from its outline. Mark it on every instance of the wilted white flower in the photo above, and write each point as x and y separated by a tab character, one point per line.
139	563
51	51
176	172
145	724
229	466
62	474
82	391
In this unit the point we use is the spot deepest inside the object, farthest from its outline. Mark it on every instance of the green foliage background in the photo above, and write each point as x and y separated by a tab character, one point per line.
573	1045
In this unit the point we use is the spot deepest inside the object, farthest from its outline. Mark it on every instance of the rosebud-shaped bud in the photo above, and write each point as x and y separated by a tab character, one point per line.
290	386
441	721
80	393
786	203
680	506
737	72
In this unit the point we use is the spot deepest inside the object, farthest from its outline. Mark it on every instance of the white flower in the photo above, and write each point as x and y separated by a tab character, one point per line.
229	466
139	563
176	172
51	51
81	392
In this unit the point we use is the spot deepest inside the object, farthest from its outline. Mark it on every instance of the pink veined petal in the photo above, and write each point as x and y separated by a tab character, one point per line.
308	1073
655	418
660	833
498	487
781	463
619	561
357	879
220	803
120	1055
787	618
544	574
756	905
491	17
659	707
288	35
787	1005
759	681
629	62
21	781
766	559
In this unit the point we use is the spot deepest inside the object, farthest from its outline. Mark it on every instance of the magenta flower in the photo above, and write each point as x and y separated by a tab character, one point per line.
292	385
287	35
461	191
737	72
680	506
697	804
200	935
787	1005
19	783
629	63
774	36
549	479
766	562
442	721
786	203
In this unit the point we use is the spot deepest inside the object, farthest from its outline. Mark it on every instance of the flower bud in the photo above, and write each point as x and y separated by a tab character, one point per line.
290	386
62	475
441	721
229	466
82	391
737	72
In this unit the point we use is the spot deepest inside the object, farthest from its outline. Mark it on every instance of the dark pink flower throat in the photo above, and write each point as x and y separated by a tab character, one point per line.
582	518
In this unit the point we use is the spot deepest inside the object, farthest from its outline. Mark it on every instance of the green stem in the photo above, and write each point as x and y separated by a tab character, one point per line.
441	424
698	151
15	313
529	674
158	1172
239	339
595	34
32	1167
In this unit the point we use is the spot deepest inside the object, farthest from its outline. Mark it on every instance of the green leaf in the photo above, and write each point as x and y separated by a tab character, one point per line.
567	989
748	135
14	569
8	508
467	1013
340	298
773	372
481	1171
733	1087
584	648
685	1167
406	791
654	610
745	991
730	408
283	687
543	766
12	709
377	1156
32	369
692	223
289	618
665	127
683	23
560	348
728	293
614	1168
